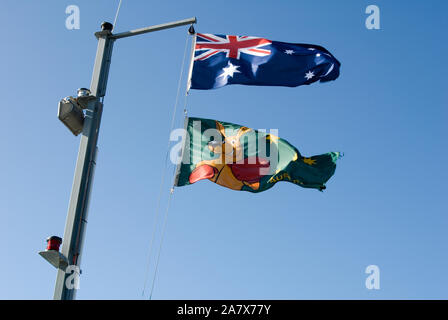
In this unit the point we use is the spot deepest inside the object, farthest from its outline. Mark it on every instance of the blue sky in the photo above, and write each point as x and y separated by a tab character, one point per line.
385	205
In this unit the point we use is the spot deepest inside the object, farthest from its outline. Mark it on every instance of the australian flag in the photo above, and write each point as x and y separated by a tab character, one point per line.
220	60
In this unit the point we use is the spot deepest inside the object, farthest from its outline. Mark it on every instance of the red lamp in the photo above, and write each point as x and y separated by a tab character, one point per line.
53	243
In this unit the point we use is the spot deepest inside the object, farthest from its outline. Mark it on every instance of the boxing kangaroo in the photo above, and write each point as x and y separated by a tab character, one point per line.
229	169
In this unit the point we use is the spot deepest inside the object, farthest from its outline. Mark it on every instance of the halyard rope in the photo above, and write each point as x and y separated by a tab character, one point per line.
116	14
161	241
161	189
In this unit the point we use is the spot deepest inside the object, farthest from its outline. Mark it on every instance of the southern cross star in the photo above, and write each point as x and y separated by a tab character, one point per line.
229	70
309	75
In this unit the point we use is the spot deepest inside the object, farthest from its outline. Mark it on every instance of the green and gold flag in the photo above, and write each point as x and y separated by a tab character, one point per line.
241	158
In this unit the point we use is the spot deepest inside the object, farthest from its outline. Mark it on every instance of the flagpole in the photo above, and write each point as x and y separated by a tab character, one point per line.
65	287
68	273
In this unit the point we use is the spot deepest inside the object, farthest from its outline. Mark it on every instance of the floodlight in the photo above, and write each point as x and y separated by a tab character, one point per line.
71	114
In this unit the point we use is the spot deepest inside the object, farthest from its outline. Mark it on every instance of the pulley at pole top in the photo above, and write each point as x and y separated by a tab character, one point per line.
191	30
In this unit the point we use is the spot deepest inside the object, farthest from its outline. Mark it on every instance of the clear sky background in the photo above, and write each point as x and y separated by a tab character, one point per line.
386	204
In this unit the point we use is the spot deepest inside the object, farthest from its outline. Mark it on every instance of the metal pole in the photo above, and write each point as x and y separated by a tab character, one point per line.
154	28
65	288
85	165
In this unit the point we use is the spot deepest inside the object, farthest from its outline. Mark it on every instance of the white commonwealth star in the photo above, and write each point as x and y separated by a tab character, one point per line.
309	75
289	51
229	70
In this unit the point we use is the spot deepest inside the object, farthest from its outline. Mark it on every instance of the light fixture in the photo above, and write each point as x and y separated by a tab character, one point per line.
52	254
71	114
